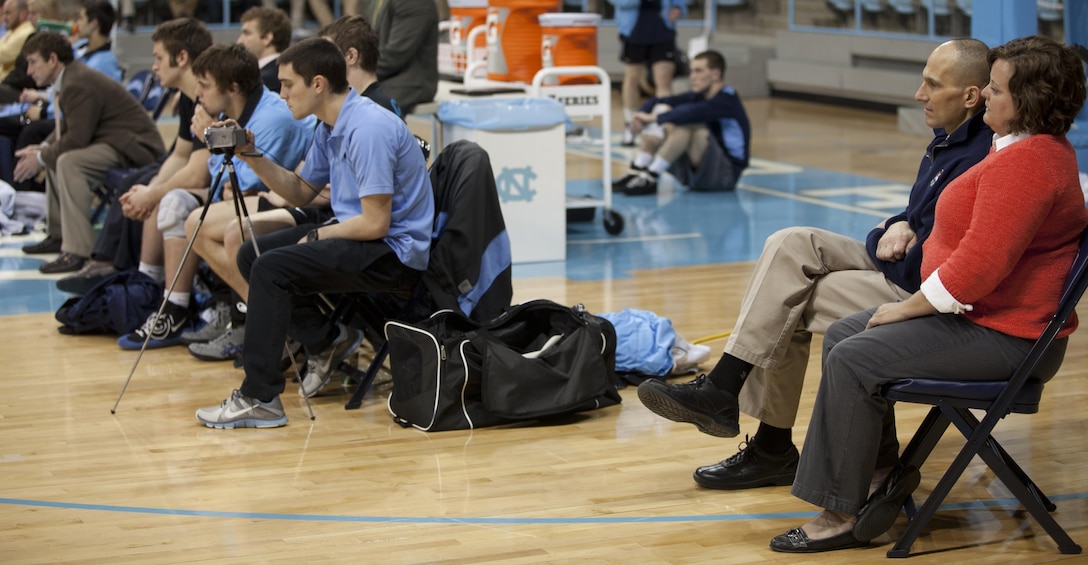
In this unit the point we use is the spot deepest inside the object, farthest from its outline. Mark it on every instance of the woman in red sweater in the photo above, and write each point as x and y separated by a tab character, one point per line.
1004	237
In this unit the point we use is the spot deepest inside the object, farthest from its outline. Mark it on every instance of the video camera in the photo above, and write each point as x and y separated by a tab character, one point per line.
224	139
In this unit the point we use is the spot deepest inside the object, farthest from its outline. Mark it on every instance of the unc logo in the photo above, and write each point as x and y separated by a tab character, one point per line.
513	184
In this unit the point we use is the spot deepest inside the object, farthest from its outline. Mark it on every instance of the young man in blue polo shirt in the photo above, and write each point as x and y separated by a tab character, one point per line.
381	196
228	83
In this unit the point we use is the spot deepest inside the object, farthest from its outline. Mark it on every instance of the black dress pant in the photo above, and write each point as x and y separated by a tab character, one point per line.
284	281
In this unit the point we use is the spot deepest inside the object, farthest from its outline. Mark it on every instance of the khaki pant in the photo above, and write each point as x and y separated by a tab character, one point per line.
805	279
69	194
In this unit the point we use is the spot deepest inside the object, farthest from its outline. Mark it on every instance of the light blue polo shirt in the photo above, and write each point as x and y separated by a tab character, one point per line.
369	150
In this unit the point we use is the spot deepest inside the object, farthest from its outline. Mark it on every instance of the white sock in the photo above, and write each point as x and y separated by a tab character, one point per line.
658	166
643	159
156	272
179	298
628	115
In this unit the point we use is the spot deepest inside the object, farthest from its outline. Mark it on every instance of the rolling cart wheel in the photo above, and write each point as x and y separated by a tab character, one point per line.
613	222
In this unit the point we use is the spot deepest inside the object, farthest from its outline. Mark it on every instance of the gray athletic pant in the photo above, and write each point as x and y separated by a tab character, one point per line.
852	431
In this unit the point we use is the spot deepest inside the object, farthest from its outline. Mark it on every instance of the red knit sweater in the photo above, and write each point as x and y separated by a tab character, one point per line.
1006	232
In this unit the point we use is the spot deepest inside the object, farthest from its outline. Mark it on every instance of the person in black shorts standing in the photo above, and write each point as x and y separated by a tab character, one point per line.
647	35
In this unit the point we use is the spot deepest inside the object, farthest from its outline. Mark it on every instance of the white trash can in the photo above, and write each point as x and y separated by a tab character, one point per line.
525	139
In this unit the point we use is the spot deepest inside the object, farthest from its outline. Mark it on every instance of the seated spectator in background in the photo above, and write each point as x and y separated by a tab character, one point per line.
16	80
701	137
228	86
101	126
407	49
17	20
384	207
360	44
1005	234
806	278
43	10
265	33
218	244
94	24
175	45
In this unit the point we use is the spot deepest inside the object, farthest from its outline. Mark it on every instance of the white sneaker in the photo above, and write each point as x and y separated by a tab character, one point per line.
241	411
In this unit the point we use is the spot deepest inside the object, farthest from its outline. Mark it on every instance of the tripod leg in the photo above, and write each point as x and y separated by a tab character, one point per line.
173	282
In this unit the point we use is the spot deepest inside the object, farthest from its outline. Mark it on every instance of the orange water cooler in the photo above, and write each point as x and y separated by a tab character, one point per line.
514	38
465	15
569	40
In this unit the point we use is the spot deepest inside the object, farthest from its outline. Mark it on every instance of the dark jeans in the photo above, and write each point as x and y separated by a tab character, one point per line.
283	285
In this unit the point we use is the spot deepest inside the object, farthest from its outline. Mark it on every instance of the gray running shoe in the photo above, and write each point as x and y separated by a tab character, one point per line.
214	328
320	367
241	411
223	348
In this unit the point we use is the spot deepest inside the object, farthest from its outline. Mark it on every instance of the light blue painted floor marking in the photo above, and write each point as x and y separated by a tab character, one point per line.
1011	502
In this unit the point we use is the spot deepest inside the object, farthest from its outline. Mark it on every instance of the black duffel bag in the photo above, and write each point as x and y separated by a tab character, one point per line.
536	360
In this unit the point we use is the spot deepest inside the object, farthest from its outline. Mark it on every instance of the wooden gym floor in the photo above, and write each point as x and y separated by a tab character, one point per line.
150	485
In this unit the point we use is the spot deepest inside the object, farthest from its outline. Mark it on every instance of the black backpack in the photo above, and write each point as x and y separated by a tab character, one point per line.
118	304
451	373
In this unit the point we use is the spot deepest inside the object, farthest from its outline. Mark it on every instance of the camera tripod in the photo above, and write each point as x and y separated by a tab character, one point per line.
245	224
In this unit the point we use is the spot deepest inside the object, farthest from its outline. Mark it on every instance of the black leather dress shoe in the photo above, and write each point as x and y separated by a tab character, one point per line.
883	507
66	263
796	541
750	468
48	245
714	412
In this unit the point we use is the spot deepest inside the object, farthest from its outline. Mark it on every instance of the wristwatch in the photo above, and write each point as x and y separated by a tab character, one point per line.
312	235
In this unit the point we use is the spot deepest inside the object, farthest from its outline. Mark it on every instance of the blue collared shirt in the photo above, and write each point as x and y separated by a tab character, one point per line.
369	151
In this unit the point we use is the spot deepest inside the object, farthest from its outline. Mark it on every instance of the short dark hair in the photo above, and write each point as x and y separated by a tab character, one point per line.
183	34
1047	84
274	21
227	64
714	60
46	43
100	11
317	57
355	31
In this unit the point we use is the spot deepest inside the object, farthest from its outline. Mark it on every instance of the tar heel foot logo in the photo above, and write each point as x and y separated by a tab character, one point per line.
165	326
514	184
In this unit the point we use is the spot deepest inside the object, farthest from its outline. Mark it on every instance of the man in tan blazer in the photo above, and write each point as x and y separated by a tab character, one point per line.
17	20
100	126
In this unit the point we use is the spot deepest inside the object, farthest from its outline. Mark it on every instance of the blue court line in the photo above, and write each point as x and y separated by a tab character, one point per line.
470	520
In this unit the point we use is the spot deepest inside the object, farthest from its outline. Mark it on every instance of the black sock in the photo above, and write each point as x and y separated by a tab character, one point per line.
237	316
729	374
776	441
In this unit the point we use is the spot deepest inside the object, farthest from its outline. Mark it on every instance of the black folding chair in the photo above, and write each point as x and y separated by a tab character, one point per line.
952	402
470	261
